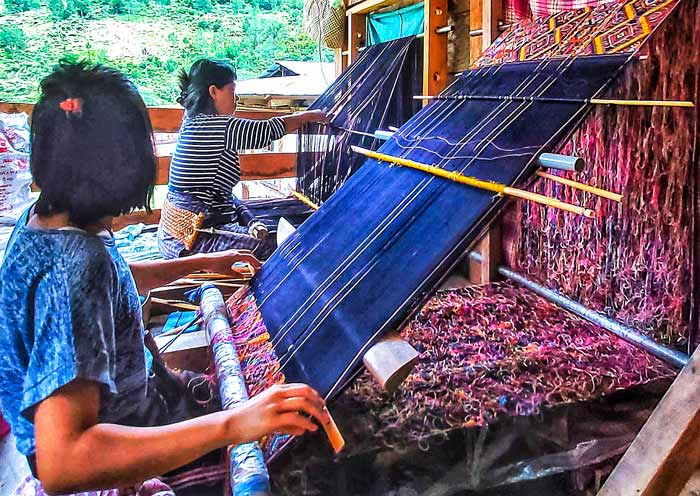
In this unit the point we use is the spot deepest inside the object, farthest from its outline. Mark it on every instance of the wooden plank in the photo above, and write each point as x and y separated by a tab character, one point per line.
666	451
357	35
140	217
476	23
163	119
367	6
492	13
434	47
254	166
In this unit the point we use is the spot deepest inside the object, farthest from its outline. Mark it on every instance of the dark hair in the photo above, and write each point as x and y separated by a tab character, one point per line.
97	160
194	86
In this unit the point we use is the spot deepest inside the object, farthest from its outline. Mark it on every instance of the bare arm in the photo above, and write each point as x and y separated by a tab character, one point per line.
155	273
295	121
70	443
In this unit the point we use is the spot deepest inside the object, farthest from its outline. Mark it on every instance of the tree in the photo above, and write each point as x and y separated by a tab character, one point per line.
14	6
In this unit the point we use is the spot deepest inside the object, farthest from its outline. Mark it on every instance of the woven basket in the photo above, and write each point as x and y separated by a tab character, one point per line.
324	20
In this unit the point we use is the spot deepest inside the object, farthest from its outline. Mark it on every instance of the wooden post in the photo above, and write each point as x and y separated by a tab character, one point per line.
434	47
476	20
357	34
666	451
490	247
492	13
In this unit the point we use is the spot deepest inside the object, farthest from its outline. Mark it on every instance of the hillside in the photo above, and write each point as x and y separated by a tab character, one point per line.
149	40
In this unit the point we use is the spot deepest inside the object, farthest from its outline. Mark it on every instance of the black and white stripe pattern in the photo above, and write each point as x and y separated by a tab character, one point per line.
206	164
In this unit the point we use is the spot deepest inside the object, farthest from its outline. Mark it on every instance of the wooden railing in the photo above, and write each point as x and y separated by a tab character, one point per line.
254	166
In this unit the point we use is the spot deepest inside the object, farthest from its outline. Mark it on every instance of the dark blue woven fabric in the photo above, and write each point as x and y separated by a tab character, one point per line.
380	244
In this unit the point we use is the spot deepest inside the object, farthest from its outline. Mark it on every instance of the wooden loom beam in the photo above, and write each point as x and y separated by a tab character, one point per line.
666	451
434	47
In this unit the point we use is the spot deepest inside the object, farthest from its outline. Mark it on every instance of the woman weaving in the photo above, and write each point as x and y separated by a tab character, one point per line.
205	167
74	384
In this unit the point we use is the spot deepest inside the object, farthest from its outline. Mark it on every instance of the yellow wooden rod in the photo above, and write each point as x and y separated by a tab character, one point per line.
477	183
583	187
305	200
643	103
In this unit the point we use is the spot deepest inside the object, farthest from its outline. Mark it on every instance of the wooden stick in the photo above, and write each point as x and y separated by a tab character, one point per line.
583	187
174	304
478	183
593	101
305	200
333	433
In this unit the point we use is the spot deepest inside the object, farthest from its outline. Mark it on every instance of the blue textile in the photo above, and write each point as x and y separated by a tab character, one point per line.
386	26
372	253
138	242
69	310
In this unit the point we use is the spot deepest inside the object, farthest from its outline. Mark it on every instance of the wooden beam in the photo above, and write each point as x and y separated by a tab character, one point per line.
139	217
254	166
476	24
163	119
492	13
490	248
434	47
666	451
357	35
367	6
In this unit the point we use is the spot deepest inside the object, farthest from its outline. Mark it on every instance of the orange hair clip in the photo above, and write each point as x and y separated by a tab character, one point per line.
71	105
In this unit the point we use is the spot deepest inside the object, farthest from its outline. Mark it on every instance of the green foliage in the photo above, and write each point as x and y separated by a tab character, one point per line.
168	35
14	6
12	38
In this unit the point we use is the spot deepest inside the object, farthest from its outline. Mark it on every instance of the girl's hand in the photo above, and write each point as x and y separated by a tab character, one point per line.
223	263
284	408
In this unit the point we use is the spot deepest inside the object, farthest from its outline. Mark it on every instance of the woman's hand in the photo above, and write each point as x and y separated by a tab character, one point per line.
318	116
258	230
284	408
223	263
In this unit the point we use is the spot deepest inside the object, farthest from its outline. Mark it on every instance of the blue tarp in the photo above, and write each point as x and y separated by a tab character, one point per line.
387	26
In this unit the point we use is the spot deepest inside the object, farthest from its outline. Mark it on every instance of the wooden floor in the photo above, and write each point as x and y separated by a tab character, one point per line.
13	466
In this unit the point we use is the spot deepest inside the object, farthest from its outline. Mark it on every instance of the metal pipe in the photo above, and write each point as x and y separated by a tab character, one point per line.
249	476
672	357
561	162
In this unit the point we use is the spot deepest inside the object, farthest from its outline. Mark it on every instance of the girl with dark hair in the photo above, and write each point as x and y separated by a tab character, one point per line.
205	167
74	384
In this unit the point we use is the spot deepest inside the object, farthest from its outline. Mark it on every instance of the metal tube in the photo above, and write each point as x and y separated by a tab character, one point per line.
561	162
672	357
249	476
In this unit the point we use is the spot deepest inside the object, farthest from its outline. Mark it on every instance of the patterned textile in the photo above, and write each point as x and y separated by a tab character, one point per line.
138	242
152	487
637	262
239	239
619	26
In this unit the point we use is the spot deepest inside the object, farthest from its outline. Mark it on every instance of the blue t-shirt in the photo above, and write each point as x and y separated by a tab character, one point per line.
69	309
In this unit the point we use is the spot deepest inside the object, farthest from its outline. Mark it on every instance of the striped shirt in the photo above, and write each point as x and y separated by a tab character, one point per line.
206	164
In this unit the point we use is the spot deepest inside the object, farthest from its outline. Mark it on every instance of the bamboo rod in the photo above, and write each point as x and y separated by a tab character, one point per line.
477	183
174	304
305	200
593	101
583	187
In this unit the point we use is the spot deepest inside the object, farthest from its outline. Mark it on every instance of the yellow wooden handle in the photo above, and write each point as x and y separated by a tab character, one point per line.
550	202
583	187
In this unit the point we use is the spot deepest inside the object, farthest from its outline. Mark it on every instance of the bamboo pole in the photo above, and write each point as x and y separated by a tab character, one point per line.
593	101
582	187
494	187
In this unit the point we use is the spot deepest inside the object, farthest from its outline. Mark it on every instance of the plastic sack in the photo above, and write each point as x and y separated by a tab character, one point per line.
15	176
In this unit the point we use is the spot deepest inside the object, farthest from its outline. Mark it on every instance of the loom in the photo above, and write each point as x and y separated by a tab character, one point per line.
360	267
374	94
